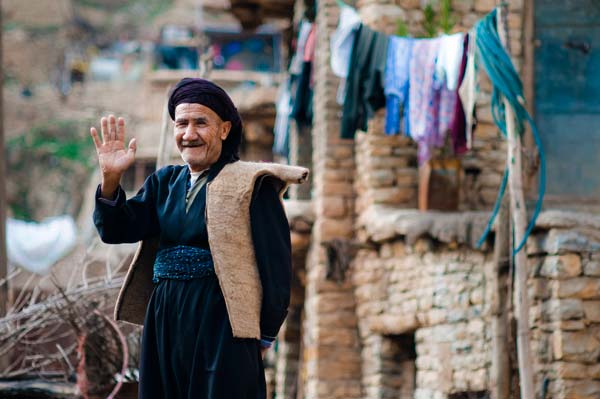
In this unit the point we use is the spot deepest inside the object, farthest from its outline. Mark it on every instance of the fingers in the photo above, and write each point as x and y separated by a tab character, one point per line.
112	127
121	129
132	146
95	137
104	129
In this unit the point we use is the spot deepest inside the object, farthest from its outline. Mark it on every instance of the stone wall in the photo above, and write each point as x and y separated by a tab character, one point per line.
331	356
422	306
564	265
428	293
416	314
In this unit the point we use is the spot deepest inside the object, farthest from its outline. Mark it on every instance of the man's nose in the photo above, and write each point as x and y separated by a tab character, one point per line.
190	133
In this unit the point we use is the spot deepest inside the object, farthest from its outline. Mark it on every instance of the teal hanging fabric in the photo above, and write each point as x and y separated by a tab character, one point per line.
507	84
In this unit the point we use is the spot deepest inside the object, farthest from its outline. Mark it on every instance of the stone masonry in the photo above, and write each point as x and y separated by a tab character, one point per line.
414	316
331	356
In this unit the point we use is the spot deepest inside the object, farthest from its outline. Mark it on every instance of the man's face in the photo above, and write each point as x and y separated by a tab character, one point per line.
199	134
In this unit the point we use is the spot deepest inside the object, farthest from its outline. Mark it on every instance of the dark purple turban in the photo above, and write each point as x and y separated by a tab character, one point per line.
205	92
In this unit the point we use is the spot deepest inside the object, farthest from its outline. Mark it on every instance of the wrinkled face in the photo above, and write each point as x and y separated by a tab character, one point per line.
199	134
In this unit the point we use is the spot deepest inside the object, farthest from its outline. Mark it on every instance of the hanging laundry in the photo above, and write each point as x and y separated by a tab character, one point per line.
396	87
469	89
424	98
458	125
281	130
304	29
341	44
38	246
447	65
303	95
364	86
310	45
447	68
294	98
447	101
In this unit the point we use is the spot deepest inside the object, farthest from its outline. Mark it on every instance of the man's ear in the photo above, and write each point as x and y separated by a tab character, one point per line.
225	129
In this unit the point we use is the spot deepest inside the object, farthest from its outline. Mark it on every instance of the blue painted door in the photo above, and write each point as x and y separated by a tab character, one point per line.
567	94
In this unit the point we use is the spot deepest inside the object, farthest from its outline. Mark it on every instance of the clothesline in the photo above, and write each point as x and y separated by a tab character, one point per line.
414	75
428	87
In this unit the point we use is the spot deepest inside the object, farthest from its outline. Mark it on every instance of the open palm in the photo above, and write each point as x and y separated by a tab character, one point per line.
114	158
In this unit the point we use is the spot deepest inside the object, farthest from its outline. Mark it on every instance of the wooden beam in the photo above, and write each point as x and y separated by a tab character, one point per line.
497	275
3	206
519	219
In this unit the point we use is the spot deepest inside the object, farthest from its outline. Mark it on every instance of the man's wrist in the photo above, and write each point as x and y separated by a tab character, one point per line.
109	186
266	342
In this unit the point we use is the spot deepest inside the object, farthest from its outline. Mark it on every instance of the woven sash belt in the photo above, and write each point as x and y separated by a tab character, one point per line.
182	263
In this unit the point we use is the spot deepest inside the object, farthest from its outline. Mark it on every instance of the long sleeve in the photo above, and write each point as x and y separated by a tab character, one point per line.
271	238
127	221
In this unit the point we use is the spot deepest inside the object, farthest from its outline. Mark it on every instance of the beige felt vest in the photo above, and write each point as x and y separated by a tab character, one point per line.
230	239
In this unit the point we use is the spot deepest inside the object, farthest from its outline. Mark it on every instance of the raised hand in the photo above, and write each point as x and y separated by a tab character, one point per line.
113	157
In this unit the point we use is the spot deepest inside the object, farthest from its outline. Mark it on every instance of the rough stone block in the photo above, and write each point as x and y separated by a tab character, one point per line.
334	207
592	268
574	389
515	20
463	6
563	309
335	228
484	5
382	17
330	175
580	287
338	188
381	178
593	371
340	152
376	151
574	371
406	177
393	195
591	310
576	347
540	288
408	4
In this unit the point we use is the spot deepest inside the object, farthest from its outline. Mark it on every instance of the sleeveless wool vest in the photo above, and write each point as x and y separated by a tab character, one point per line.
228	199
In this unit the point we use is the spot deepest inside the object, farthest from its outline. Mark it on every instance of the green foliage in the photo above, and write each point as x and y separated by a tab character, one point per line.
429	22
435	23
402	29
60	139
56	147
446	20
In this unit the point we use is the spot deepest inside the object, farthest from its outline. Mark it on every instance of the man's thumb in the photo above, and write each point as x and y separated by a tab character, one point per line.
132	146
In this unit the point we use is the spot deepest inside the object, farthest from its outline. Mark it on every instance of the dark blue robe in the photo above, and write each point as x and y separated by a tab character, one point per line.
188	350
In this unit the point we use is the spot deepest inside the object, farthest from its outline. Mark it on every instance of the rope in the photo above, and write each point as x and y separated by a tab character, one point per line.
506	84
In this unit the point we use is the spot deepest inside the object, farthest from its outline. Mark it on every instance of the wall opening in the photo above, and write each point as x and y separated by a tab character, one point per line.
398	357
470	395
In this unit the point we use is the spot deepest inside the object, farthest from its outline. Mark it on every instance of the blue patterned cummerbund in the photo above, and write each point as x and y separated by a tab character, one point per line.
182	263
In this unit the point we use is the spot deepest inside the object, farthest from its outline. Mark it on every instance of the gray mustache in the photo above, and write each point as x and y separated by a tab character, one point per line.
191	143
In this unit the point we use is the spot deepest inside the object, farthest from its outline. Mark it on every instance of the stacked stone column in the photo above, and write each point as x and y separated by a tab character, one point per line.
331	356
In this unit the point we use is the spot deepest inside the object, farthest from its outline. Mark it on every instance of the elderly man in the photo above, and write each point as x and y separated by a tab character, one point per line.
211	279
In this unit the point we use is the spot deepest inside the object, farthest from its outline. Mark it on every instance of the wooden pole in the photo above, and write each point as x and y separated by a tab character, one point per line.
519	219
498	276
3	255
